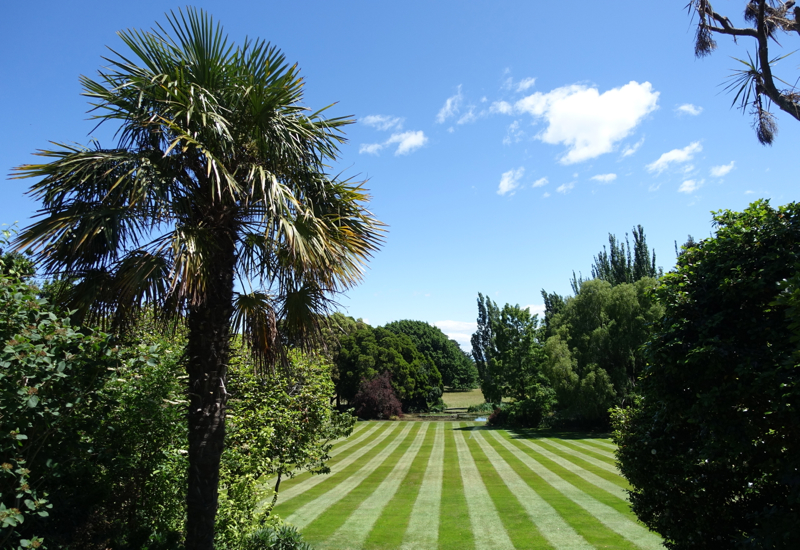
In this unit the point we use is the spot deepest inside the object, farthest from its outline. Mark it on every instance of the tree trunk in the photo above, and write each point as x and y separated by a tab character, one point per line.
208	350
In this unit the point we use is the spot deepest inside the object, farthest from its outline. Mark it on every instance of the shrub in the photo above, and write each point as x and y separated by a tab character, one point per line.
527	413
376	398
484	407
279	537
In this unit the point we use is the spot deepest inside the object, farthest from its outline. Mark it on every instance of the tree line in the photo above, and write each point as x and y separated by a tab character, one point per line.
696	370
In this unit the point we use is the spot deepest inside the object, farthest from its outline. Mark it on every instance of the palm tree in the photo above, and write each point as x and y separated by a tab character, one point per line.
215	206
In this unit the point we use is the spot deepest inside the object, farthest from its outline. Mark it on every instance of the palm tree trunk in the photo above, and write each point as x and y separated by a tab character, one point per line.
208	350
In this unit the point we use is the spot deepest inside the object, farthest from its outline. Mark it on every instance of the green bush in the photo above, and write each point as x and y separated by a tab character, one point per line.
527	413
280	537
485	407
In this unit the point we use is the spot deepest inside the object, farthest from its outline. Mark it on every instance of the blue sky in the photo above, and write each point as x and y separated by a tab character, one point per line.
502	141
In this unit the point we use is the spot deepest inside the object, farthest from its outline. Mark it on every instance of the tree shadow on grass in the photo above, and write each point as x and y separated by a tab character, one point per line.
527	433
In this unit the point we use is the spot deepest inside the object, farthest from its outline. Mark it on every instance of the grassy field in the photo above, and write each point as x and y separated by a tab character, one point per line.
459	399
451	485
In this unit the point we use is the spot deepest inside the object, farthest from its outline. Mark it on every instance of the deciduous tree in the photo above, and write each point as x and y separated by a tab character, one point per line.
712	451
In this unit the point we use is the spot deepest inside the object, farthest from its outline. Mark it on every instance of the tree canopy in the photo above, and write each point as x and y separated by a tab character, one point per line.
217	182
369	352
594	353
456	367
712	451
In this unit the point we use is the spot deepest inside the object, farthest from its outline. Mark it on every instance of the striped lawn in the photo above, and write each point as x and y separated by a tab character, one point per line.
450	485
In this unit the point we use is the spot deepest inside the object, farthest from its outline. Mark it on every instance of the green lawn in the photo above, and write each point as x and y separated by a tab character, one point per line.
459	485
459	399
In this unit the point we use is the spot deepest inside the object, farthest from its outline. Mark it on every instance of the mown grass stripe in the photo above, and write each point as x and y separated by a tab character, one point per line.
357	527
603	443
311	482
608	516
390	528
351	441
586	475
455	530
312	510
423	525
603	465
592	448
486	524
546	519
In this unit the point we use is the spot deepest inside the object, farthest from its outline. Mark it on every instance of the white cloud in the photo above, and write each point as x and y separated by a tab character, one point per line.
502	107
546	194
509	181
469	116
383	122
540	182
565	188
536	309
720	171
526	83
514	133
460	331
371	148
690	186
689	109
749	192
604	178
631	149
408	141
675	156
587	122
451	106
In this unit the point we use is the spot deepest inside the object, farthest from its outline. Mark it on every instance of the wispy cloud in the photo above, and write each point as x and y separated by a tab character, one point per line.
371	148
720	171
540	182
383	122
407	142
676	156
451	107
690	186
604	178
501	107
467	117
689	109
565	188
546	194
631	149
587	122
509	181
514	133
526	83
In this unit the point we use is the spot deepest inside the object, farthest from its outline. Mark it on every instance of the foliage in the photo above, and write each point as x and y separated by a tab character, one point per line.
621	263
281	537
482	339
712	451
368	352
527	413
217	182
122	481
595	356
484	407
755	84
280	424
48	369
508	349
376	398
456	367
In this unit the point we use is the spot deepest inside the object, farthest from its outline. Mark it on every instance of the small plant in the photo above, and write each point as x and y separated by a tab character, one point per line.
279	537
